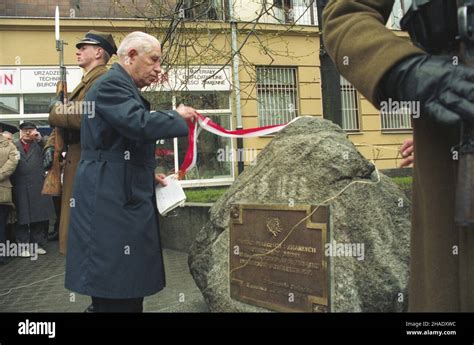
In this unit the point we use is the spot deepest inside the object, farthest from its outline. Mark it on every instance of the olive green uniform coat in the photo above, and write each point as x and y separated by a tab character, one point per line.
71	122
442	255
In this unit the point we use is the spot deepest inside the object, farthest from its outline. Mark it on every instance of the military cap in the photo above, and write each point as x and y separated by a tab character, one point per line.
28	125
102	39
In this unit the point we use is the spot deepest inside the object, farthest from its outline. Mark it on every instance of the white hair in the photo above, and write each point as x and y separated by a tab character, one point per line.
142	42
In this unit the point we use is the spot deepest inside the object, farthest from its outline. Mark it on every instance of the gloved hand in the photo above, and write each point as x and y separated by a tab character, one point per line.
48	157
445	90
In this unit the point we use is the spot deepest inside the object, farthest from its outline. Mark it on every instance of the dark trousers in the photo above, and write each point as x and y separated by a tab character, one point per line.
4	209
57	210
36	232
108	305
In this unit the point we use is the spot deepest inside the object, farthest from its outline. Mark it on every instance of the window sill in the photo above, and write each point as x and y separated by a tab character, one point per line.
397	131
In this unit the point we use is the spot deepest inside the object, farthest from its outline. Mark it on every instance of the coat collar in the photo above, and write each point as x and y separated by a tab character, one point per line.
93	72
117	67
100	69
22	151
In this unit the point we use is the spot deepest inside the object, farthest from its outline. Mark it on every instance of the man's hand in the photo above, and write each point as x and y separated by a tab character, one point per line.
48	157
443	89
407	152
160	178
36	135
187	113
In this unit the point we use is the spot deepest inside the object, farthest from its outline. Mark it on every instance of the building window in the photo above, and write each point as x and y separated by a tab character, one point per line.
277	95
397	120
205	100
9	104
37	103
302	12
203	9
208	165
170	153
349	106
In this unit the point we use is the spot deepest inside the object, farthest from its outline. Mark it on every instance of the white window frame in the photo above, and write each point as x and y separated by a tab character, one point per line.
350	106
299	12
226	181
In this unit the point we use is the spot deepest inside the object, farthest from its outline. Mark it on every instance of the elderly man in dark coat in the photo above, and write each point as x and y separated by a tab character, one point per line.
33	209
114	252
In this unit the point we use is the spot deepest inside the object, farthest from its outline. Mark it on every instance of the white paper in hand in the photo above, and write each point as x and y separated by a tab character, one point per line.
170	196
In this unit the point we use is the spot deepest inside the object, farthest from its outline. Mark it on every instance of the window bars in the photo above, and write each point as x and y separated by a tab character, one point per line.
349	106
277	95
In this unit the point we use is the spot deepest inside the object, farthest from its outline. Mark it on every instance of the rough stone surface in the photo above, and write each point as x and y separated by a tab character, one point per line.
309	162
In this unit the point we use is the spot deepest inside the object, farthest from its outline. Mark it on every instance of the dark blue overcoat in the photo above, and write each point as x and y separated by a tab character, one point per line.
114	248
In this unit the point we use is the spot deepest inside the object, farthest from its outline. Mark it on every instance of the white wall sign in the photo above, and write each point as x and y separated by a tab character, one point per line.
36	79
195	79
9	80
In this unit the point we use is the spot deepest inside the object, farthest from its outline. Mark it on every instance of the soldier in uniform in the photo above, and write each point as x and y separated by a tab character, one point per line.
382	66
93	53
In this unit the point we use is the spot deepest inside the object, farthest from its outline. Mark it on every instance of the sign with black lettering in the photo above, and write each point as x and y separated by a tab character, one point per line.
36	79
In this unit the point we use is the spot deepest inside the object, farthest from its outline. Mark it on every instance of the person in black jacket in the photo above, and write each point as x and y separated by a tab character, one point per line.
33	209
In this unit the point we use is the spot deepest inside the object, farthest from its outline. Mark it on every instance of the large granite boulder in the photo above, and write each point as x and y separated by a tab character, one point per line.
310	161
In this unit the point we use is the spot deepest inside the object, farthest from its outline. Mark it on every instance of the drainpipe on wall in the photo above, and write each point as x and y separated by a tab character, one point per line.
236	83
330	78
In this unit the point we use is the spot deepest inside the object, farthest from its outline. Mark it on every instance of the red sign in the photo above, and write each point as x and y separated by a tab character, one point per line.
6	79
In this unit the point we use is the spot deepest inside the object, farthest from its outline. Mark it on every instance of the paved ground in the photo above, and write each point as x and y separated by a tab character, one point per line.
38	286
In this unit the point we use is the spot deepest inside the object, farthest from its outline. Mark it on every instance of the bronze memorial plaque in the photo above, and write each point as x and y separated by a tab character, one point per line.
277	258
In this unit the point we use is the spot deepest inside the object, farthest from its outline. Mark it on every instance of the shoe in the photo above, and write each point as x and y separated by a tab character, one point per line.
25	254
89	309
41	251
53	236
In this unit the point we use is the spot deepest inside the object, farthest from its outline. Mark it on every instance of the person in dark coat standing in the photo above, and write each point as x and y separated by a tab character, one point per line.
114	251
34	210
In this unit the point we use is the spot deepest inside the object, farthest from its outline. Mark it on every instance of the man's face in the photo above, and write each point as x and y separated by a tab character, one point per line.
146	67
28	134
86	54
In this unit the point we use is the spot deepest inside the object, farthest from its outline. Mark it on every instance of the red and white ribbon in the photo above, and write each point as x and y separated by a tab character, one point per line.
212	127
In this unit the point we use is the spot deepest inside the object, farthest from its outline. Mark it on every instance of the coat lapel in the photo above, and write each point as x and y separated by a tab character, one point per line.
77	90
125	75
33	147
26	156
85	80
20	149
